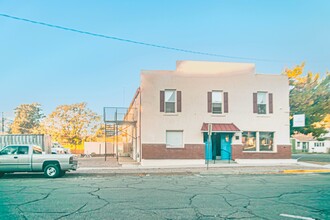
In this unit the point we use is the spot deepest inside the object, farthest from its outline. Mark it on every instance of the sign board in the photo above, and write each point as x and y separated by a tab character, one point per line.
299	120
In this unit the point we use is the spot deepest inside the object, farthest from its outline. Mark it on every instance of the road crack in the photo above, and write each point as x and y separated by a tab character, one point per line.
74	212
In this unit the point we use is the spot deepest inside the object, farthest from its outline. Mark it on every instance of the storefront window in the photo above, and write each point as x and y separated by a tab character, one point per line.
249	141
266	140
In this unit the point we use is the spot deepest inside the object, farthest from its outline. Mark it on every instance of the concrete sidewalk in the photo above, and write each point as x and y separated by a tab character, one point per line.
111	166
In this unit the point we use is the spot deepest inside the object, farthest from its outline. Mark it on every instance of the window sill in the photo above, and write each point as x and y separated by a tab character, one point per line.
170	114
263	116
218	115
267	152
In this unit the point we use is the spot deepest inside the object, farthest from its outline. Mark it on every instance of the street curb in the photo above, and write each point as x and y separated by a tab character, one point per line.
197	170
204	166
306	171
306	164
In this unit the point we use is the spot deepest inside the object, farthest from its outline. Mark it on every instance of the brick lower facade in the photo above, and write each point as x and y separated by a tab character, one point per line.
159	151
196	151
283	152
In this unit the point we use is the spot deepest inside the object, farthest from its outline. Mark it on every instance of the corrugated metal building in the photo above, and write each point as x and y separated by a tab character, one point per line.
42	140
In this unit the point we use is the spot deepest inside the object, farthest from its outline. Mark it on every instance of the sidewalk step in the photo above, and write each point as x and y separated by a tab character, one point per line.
222	162
129	163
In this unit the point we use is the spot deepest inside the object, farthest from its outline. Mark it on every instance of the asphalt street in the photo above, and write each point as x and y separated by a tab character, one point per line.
164	196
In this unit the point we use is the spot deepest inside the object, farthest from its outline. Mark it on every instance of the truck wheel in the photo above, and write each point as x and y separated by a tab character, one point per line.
1	174
62	173
52	171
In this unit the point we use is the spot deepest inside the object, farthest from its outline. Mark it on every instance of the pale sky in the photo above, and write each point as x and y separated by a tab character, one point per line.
54	67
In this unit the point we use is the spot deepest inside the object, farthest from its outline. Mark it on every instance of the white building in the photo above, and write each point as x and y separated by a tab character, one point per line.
307	143
248	113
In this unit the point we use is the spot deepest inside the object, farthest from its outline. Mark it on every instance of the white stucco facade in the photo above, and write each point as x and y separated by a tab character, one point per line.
194	79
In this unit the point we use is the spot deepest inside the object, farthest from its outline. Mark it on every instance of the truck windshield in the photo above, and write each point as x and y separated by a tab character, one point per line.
9	150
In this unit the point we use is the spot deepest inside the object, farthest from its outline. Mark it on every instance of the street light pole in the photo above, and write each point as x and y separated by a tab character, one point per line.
2	123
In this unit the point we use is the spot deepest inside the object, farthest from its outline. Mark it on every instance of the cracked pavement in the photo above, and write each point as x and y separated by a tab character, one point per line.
176	196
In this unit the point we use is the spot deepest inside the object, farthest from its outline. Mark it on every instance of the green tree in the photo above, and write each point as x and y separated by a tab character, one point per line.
71	124
27	119
309	95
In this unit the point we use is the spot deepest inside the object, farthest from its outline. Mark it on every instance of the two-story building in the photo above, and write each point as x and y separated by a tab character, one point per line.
241	114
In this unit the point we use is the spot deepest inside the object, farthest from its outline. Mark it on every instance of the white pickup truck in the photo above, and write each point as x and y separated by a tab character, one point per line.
30	158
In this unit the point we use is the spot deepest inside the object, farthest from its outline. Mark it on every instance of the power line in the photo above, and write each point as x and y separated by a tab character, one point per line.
138	42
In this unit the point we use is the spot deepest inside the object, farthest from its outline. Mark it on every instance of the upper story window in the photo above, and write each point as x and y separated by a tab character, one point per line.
217	100
170	101
261	101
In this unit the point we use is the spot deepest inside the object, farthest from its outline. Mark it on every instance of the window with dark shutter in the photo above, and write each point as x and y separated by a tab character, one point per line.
270	100
225	97
162	98
179	105
217	102
262	102
209	101
170	100
255	104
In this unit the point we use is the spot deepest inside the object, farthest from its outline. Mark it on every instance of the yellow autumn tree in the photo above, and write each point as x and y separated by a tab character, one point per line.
309	95
27	119
71	124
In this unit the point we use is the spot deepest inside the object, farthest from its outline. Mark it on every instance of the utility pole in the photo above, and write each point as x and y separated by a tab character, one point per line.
2	123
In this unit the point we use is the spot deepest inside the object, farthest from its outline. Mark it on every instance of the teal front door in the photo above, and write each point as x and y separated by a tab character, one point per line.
225	140
218	147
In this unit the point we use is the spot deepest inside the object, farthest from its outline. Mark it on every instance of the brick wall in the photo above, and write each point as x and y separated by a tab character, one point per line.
159	151
283	152
196	151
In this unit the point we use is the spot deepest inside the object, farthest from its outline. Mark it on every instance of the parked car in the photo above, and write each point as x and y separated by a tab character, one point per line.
59	149
30	158
42	140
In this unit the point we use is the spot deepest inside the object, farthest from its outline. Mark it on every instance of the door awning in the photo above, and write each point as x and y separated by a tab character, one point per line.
220	127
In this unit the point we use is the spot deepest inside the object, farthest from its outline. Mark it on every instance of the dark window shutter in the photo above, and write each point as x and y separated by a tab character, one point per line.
225	97
270	100
209	101
255	104
178	98
162	99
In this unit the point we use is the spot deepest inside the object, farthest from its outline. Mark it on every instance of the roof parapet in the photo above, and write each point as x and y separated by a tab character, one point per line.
206	67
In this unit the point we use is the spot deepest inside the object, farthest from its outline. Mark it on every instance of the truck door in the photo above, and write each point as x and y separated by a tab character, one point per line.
24	163
9	159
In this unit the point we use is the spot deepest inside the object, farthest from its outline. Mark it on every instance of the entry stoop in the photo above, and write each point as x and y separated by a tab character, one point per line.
222	162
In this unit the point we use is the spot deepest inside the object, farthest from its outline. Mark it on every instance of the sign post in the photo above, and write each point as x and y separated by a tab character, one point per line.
208	146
